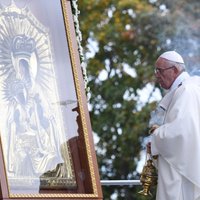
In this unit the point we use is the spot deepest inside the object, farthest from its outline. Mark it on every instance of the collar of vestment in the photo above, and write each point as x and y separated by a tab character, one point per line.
164	103
178	81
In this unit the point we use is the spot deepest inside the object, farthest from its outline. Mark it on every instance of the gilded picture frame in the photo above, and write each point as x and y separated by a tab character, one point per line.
47	148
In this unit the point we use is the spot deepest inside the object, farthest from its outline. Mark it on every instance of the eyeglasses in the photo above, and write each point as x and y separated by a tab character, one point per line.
160	70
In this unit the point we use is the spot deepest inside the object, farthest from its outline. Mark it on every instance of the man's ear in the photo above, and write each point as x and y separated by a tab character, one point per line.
176	70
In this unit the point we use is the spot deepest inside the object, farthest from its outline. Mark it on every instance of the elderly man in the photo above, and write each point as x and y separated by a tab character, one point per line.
177	140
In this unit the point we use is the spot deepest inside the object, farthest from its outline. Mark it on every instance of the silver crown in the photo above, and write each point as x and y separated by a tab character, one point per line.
23	45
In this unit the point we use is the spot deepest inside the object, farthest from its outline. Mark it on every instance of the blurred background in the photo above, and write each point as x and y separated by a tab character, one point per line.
122	40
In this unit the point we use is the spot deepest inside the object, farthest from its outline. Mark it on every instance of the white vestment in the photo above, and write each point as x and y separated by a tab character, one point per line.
177	142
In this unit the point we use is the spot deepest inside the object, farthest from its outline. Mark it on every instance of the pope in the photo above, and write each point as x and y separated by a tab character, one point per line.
176	141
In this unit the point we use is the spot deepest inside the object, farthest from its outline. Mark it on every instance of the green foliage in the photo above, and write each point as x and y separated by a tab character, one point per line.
117	29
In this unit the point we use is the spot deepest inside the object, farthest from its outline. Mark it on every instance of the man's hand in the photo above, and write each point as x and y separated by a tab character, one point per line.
153	128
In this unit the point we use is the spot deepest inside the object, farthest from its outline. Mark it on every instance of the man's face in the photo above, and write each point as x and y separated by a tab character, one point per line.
165	73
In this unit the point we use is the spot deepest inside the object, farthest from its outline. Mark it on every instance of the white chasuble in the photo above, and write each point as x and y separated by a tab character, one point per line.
177	142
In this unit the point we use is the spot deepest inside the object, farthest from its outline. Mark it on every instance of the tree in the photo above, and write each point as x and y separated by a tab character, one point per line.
122	39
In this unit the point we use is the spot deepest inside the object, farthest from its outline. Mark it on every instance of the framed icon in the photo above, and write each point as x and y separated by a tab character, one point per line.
47	149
